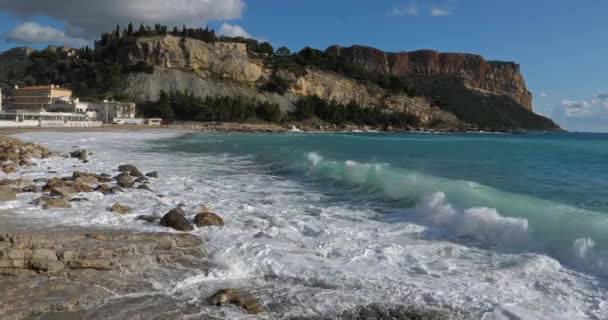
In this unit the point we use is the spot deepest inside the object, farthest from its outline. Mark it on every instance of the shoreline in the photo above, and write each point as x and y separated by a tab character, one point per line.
93	272
229	127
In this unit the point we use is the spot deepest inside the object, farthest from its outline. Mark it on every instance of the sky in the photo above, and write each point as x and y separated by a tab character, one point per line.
560	44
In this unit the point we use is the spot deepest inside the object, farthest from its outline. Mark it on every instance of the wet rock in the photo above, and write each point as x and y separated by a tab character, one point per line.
115	190
6	182
120	208
124	181
40	201
142	180
176	219
7	194
88	179
82	187
79	200
103	188
63	192
74	274
148	218
9	168
56	203
137	173
242	299
144	187
152	174
54	183
208	219
38	180
126	168
79	154
32	189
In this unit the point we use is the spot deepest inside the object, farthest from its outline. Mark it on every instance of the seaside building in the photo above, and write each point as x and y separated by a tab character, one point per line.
43	119
110	111
38	98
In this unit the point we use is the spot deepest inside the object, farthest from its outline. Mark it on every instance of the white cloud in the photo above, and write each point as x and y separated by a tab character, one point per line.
578	109
438	12
231	30
543	95
583	115
31	32
87	18
410	10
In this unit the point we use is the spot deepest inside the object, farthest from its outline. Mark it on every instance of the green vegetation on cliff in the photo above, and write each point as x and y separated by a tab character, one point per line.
100	74
187	107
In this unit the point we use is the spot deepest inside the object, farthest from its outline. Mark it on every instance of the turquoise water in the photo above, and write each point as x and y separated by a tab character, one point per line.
544	193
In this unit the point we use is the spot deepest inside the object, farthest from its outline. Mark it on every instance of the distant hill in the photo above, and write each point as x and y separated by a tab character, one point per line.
432	90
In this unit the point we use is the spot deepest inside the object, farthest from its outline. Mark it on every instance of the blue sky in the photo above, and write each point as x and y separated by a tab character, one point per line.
560	44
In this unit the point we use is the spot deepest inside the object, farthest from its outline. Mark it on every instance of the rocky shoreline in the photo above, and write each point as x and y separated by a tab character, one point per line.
87	273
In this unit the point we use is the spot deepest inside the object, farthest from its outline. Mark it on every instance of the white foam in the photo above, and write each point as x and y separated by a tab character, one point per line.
314	258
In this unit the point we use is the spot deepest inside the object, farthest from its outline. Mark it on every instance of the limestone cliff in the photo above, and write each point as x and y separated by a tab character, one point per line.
220	70
502	78
454	89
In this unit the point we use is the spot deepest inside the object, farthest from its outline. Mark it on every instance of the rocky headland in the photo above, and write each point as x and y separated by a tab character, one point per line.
440	91
68	272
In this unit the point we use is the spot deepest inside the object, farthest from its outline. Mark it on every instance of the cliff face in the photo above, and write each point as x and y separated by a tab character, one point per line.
203	59
455	88
223	70
501	78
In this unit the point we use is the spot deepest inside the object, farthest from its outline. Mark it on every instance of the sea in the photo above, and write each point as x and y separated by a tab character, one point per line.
498	226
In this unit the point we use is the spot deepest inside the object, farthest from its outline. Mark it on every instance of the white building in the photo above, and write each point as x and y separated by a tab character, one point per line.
108	111
21	119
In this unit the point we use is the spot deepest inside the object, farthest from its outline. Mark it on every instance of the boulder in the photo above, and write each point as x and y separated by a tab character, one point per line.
147	218
31	189
152	174
144	187
90	180
120	208
63	192
126	168
115	190
53	183
124	181
40	201
142	180
242	299
103	188
9	168
7	194
176	219
82	187
79	154
136	173
56	203
208	219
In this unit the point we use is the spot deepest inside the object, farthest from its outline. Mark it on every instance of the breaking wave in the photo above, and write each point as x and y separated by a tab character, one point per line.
505	220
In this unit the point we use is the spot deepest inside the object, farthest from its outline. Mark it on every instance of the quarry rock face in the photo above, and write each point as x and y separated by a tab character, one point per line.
502	78
204	59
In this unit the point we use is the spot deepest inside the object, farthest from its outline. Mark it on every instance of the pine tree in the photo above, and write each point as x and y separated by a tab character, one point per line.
130	29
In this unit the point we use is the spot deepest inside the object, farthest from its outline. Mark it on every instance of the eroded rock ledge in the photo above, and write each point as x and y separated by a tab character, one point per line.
53	274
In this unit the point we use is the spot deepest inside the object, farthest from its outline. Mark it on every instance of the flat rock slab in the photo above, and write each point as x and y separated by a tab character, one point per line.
47	273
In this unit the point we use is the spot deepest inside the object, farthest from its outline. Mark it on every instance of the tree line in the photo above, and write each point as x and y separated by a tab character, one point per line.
182	106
